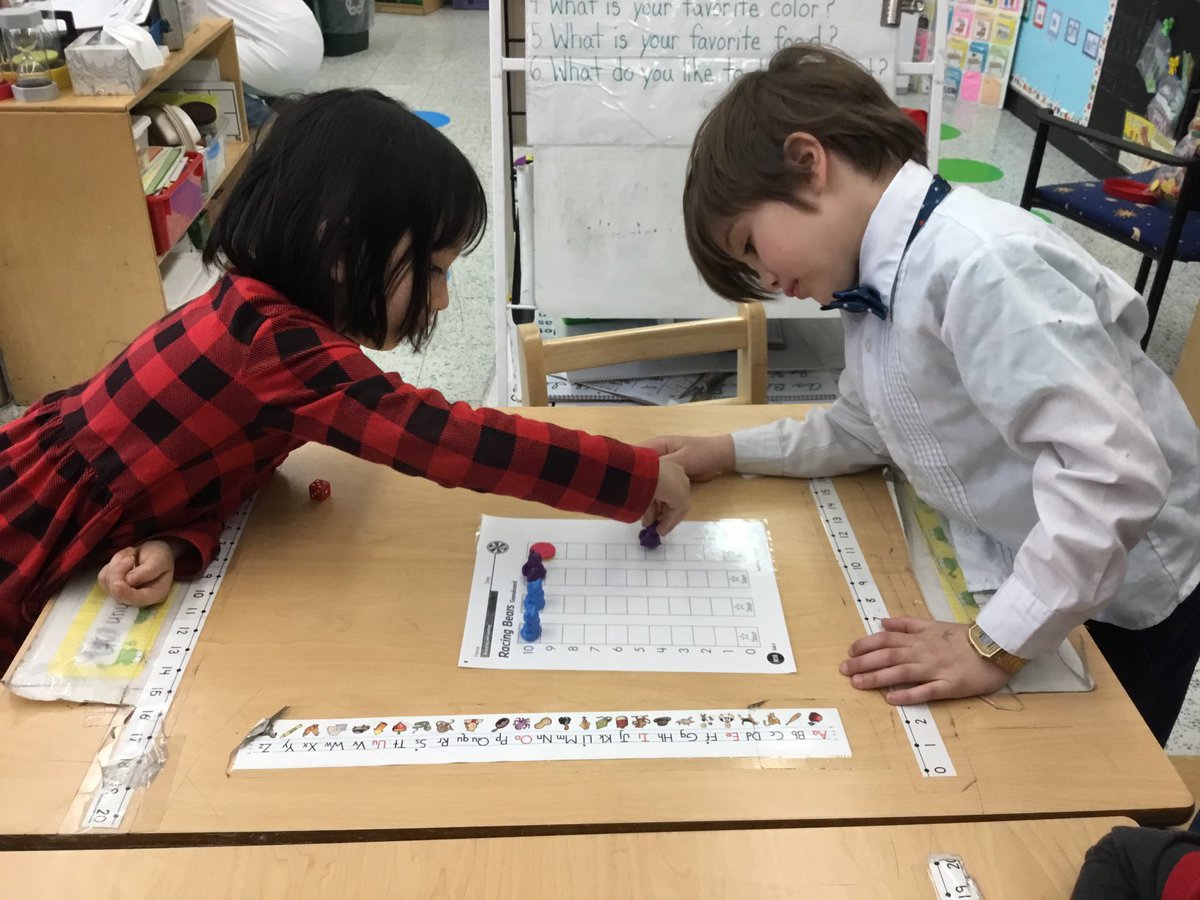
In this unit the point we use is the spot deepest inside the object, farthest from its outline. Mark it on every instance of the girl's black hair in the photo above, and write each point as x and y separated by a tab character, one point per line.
336	181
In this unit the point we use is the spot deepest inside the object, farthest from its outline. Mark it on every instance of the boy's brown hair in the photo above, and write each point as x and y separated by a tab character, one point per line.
737	158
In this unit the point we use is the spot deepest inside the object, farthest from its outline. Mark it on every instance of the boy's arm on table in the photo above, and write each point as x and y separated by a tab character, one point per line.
833	440
333	394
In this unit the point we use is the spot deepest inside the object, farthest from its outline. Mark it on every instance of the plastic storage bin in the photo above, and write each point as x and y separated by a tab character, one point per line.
141	139
214	155
174	208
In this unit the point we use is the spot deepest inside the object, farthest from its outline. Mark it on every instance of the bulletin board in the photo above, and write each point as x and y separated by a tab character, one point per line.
1060	52
979	51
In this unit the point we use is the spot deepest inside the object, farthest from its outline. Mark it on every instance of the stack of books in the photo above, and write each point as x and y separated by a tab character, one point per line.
162	168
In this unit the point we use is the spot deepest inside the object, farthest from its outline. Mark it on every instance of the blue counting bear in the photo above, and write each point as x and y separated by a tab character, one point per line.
531	629
535	595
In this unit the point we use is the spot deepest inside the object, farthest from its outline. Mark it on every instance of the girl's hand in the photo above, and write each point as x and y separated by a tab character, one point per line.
141	575
933	660
672	498
702	458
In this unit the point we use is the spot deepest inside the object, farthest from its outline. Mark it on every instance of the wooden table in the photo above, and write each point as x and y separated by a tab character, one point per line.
1021	860
355	607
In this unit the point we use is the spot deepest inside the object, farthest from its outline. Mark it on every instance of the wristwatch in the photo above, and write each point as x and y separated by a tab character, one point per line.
990	650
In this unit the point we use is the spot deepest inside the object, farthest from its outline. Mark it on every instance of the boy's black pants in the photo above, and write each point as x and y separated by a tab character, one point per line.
1155	664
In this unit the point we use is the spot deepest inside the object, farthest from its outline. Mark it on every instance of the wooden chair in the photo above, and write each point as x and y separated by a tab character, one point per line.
746	333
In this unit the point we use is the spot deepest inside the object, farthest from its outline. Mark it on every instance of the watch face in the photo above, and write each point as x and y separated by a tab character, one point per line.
987	646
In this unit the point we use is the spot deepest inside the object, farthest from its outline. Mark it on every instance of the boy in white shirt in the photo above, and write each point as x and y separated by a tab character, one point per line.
987	356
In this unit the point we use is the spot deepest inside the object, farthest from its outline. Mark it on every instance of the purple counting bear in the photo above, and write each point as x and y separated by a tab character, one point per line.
533	570
649	538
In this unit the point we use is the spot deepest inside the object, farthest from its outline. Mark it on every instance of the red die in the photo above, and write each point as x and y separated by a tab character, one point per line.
319	490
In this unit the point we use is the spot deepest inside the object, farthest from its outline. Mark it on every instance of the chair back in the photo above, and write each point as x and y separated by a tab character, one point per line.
746	333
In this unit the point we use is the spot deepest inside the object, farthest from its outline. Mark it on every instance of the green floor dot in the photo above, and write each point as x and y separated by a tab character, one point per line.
949	132
968	171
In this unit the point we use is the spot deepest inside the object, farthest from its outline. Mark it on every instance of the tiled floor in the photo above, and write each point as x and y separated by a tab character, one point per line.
440	62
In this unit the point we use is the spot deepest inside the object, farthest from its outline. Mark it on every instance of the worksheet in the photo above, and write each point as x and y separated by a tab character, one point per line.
706	600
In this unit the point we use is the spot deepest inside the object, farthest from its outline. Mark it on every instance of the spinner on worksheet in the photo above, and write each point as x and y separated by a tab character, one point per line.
704	600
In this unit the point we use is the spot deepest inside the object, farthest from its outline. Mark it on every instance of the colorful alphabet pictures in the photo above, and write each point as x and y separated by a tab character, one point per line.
778	733
979	52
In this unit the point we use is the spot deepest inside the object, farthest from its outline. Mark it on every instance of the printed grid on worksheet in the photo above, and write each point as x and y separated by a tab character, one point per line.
561	600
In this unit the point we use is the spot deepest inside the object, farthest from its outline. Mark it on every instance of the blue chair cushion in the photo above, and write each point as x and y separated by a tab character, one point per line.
1144	223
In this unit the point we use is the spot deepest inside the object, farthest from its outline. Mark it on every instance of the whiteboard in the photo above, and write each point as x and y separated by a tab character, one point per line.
616	90
647	71
609	241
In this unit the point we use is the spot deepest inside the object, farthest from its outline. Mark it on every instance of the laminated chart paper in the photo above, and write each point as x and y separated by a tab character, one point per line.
704	601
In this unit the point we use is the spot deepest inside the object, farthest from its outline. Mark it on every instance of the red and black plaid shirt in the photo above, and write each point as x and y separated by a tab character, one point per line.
202	407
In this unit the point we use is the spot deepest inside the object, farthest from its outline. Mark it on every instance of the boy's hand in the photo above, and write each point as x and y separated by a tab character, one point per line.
141	575
702	458
672	498
932	660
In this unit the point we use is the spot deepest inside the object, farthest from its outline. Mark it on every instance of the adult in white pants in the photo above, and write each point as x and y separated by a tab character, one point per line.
279	43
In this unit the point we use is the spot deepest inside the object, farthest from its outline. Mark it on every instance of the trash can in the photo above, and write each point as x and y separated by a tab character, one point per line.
345	24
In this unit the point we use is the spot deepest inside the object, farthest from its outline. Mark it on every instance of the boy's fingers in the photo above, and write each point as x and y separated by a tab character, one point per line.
906	625
877	641
683	459
661	445
883	678
876	659
918	693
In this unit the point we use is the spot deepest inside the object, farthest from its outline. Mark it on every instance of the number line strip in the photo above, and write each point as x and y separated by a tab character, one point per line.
136	758
933	759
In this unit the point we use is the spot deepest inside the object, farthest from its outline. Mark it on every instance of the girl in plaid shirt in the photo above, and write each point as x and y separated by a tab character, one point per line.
337	236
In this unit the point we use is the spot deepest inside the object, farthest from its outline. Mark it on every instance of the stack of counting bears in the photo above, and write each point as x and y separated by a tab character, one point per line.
535	593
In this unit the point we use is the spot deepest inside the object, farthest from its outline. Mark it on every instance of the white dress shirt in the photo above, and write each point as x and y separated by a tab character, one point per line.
1009	386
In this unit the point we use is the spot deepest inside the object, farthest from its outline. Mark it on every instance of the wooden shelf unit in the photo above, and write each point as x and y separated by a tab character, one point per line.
79	277
424	8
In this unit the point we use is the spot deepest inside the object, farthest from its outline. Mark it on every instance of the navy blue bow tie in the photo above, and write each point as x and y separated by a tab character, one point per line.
860	299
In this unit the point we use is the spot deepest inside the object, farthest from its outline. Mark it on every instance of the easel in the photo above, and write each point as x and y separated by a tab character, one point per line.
502	47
